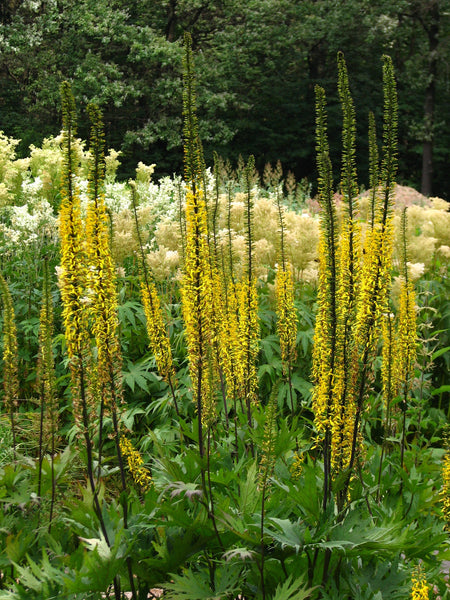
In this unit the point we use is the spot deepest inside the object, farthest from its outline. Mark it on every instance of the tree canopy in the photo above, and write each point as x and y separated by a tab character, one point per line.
257	64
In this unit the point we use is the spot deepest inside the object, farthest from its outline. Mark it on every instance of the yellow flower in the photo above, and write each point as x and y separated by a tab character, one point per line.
230	355
159	340
297	465
46	370
10	352
249	341
287	316
140	473
406	335
388	372
420	588
101	274
196	293
73	264
373	296
445	492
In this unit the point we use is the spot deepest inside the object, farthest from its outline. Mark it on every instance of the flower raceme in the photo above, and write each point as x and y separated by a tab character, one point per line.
140	473
354	279
102	274
73	272
406	332
287	316
159	340
249	342
420	587
10	352
196	293
445	492
46	370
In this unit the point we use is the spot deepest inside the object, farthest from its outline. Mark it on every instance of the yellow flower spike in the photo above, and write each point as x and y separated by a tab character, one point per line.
323	349
297	465
267	461
249	342
420	588
231	350
10	351
73	266
196	293
445	492
287	316
46	370
102	274
10	358
353	287
406	332
141	475
156	329
389	374
373	295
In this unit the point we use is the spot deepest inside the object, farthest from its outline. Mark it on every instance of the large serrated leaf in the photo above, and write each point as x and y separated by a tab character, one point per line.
292	590
287	533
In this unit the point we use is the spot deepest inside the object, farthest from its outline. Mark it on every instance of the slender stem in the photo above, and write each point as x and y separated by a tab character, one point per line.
403	442
388	409
174	398
100	438
89	453
41	434
211	499
261	569
224	398
53	496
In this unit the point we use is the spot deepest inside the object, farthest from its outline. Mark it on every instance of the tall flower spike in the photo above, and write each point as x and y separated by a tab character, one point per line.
197	305
348	177
373	167
102	276
231	341
156	328
47	387
139	472
343	402
73	266
407	327
46	368
193	155
157	333
378	248
10	357
267	461
445	491
77	304
375	270
248	306
324	351
390	126
196	285
248	177
406	335
286	312
215	216
249	343
287	317
348	275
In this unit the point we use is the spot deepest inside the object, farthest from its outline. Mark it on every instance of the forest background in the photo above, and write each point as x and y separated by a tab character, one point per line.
257	63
